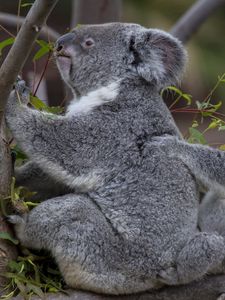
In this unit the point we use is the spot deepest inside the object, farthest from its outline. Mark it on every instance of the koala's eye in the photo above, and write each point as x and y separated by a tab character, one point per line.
88	43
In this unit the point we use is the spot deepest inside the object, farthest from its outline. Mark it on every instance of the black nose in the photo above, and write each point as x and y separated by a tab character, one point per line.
64	41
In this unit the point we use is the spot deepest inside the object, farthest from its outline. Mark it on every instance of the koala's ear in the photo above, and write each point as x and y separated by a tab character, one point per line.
157	56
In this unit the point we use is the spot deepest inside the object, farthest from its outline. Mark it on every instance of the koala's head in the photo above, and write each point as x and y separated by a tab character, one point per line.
95	55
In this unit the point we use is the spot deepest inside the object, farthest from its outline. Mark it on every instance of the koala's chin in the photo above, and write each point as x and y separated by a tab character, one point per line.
64	65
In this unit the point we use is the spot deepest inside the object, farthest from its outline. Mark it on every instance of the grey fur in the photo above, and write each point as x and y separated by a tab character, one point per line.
130	222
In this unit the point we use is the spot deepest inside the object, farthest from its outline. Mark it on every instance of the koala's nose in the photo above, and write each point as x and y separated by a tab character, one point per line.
64	41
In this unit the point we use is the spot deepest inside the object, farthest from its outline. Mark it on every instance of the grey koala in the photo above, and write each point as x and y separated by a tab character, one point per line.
126	219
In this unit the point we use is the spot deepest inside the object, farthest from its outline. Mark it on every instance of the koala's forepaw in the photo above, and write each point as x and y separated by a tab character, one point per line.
15	219
221	297
19	224
22	91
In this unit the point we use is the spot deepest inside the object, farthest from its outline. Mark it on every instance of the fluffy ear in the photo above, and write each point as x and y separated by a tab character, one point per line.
158	57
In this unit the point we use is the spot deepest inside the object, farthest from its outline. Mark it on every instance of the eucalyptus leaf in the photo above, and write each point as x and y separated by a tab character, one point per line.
7	236
6	43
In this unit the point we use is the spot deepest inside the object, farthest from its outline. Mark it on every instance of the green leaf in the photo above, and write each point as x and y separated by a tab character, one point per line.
217	106
6	43
55	109
188	98
37	290
41	52
214	124
222	127
22	287
176	90
7	236
196	136
222	147
40	105
26	4
45	48
195	124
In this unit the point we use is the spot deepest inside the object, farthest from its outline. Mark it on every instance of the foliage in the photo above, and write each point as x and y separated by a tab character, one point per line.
204	111
32	274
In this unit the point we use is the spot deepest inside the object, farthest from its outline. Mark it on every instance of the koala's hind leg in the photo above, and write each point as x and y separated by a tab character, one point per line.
212	219
202	253
212	213
80	238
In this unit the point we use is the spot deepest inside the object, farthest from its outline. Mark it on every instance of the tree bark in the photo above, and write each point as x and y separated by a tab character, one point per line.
209	288
8	74
190	22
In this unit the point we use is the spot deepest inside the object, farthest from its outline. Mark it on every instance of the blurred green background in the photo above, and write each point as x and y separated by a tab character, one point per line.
206	48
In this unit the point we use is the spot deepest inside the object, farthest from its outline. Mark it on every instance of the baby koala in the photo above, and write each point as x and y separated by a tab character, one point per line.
123	185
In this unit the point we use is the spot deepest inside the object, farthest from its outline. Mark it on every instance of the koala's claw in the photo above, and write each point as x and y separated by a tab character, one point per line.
21	89
20	86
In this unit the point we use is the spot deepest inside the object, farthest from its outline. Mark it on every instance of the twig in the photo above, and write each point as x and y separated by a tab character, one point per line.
43	72
7	31
195	110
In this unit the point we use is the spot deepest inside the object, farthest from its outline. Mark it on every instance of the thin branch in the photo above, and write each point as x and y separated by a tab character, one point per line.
190	22
12	20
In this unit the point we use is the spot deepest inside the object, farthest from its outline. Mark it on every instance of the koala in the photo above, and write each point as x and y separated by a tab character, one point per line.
125	215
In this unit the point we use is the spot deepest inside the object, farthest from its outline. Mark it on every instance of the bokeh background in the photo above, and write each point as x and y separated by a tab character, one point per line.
206	48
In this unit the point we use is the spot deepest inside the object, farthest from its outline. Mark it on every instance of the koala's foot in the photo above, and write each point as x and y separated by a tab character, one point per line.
201	254
221	297
19	223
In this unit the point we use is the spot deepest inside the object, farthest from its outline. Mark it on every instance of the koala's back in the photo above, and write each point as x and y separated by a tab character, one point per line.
148	204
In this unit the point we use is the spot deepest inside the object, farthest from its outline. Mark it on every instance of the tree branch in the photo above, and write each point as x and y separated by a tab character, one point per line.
22	46
194	17
13	20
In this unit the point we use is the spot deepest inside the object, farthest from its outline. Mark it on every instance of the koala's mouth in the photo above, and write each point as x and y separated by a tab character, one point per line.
62	55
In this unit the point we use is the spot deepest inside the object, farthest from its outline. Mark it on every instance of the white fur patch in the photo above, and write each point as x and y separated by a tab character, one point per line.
82	183
93	99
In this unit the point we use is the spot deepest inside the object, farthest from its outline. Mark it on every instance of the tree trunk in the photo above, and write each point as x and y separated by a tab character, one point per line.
8	74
